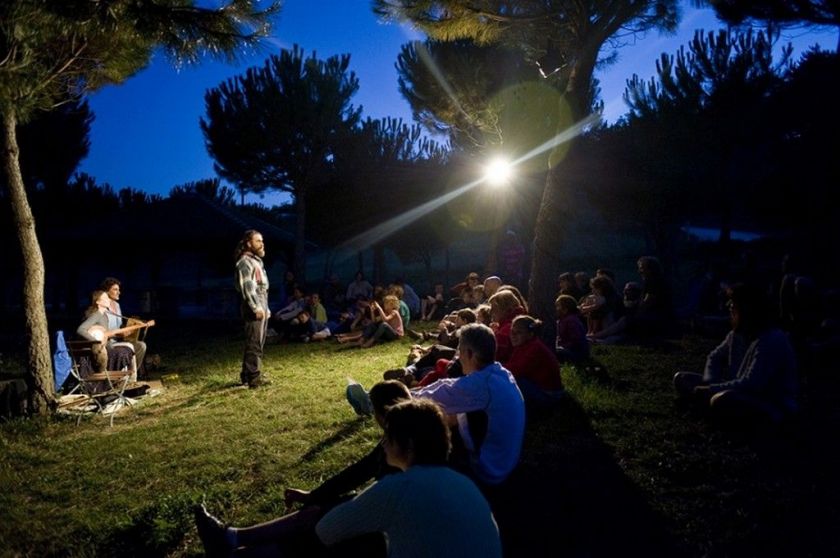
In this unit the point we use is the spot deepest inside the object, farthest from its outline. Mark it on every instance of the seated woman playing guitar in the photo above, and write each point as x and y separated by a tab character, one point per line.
95	328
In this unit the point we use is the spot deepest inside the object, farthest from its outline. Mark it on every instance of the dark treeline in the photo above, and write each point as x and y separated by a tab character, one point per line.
727	135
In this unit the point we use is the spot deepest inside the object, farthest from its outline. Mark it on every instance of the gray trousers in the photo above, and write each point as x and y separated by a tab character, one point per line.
255	331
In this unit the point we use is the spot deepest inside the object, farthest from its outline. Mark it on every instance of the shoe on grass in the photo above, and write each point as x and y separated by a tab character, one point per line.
213	534
359	400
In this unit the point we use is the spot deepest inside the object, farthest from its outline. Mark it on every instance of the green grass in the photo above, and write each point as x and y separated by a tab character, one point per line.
618	457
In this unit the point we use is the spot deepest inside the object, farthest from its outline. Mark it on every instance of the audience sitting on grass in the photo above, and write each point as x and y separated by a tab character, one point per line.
764	388
571	344
332	293
655	313
520	298
386	324
361	317
404	310
486	405
534	365
304	328
426	510
490	286
428	364
316	310
484	400
482	314
566	285
410	461
504	307
359	288
594	308
409	297
582	284
447	330
282	319
471	280
433	306
623	329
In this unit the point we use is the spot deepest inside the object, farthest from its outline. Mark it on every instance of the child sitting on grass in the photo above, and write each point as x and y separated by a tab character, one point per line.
387	325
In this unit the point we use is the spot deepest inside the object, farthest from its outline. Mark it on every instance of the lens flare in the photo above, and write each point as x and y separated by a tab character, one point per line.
498	172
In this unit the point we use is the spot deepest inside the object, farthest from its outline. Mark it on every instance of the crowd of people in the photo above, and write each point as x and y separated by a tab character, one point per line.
454	416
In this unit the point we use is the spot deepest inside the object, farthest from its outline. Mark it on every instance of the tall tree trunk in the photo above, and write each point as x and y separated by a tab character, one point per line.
299	264
548	242
549	230
39	368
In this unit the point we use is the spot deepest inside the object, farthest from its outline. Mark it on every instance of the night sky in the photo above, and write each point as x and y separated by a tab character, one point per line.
146	134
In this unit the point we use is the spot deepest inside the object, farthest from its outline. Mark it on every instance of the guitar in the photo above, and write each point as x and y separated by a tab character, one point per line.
101	334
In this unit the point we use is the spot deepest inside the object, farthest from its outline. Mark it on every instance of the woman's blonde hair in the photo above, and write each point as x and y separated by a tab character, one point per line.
505	301
391	299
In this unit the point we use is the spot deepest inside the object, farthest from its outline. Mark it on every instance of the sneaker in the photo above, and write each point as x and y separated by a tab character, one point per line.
359	400
212	533
394	374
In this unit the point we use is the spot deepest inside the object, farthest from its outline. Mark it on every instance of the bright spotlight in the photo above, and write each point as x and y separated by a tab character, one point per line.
498	172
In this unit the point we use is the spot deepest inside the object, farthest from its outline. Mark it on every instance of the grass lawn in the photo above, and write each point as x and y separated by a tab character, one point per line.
617	468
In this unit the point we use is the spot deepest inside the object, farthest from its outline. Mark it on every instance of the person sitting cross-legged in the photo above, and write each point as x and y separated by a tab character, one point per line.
764	387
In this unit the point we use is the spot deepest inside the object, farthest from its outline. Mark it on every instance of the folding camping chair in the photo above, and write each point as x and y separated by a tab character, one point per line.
103	389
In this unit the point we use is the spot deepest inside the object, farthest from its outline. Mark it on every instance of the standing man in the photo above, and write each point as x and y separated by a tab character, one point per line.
252	285
111	285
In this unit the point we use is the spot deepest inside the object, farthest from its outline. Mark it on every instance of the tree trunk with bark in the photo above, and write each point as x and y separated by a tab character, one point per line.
39	377
549	230
549	236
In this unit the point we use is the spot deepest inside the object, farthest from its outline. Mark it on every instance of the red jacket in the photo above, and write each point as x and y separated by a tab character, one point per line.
534	361
503	346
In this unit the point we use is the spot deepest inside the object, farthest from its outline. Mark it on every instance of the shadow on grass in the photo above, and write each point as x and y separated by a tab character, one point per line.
155	531
347	430
568	496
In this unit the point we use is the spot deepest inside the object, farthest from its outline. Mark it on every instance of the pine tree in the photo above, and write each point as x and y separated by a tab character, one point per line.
276	127
51	52
562	39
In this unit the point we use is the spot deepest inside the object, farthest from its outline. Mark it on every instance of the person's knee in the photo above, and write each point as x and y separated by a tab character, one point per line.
685	382
723	399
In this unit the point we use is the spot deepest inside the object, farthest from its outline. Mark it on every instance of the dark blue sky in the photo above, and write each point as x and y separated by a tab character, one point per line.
146	133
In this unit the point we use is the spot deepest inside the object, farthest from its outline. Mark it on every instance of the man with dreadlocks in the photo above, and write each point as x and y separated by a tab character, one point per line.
252	284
